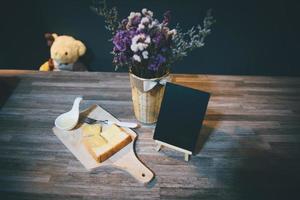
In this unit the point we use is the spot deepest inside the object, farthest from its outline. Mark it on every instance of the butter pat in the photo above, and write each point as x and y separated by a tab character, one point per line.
102	145
91	130
91	135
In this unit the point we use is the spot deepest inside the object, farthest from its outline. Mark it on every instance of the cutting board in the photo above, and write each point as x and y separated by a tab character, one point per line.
124	159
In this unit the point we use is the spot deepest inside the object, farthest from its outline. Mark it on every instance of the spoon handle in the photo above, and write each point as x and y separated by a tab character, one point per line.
76	103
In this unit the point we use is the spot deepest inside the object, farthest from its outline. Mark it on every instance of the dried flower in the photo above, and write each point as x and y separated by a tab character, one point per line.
147	46
145	54
122	40
156	62
147	12
137	58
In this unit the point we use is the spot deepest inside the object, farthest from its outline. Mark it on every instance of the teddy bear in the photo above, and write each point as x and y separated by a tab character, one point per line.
65	51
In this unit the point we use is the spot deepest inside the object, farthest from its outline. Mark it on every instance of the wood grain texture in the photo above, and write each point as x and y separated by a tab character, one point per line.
249	147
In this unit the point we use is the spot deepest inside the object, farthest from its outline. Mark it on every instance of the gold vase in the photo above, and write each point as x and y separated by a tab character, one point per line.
146	102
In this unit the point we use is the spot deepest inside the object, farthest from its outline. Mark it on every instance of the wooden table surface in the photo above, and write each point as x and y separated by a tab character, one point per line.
250	142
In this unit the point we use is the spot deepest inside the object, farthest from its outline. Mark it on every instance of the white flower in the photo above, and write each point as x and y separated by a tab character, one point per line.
138	37
144	11
139	42
137	58
145	20
148	40
134	14
142	36
131	14
141	46
141	27
147	12
135	39
150	13
134	47
145	54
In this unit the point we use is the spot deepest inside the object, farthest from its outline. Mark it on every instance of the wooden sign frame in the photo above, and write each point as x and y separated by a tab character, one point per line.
160	145
180	119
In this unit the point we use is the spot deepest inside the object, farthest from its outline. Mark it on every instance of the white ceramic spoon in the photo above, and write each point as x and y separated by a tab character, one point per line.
69	120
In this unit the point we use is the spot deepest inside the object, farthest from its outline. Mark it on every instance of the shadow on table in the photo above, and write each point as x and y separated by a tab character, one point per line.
249	167
7	86
207	130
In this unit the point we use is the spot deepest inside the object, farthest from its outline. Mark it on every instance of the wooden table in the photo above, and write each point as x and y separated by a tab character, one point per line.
251	134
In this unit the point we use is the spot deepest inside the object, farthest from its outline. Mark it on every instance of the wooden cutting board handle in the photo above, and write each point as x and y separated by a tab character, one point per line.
130	163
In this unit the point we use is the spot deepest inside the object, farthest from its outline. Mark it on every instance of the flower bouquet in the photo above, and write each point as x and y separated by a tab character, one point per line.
148	48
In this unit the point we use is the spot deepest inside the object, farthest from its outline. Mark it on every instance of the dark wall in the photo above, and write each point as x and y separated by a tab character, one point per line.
250	37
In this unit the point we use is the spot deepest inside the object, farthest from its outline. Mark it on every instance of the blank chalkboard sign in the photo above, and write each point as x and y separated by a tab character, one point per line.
181	116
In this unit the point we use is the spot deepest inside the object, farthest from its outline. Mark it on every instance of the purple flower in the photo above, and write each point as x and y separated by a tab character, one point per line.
142	41
122	40
120	59
156	63
158	39
135	21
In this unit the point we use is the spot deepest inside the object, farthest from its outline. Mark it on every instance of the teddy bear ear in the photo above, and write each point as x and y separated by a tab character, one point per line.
50	38
81	47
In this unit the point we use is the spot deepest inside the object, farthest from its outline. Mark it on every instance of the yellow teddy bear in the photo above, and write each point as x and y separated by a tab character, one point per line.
65	51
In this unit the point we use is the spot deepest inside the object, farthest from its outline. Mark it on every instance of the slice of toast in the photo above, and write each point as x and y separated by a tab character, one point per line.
102	145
